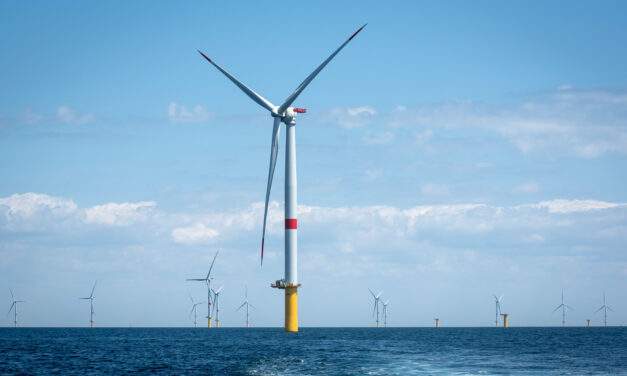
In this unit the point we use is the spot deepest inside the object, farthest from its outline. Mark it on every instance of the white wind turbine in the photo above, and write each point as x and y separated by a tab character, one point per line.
216	304
91	305
563	307
246	305
207	280
497	302
286	114
604	307
13	307
385	313
375	310
193	310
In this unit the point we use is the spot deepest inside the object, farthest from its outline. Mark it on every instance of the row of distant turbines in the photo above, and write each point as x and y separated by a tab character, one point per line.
501	318
213	302
379	311
498	300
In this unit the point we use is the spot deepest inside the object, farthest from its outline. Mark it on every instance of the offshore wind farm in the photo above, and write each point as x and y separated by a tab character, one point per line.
456	203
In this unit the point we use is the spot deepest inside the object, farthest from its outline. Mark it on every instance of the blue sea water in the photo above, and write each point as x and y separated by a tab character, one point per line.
314	351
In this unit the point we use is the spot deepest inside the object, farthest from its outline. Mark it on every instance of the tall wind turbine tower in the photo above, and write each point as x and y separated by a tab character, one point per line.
246	305
207	280
385	313
285	114
91	305
193	310
13	307
604	307
497	302
375	310
216	304
563	307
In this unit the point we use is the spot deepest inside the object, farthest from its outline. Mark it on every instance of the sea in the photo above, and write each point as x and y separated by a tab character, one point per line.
314	351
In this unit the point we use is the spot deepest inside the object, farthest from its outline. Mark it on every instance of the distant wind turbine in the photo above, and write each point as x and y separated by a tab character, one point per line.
193	310
497	302
604	307
563	307
216	304
375	310
207	280
13	307
246	304
385	313
91	305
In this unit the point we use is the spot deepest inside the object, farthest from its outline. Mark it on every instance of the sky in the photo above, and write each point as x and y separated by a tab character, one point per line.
452	151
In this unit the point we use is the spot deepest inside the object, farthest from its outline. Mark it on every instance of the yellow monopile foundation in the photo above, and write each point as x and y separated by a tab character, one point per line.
291	309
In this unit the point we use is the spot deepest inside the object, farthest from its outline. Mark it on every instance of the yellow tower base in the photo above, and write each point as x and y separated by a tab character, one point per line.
209	322
291	309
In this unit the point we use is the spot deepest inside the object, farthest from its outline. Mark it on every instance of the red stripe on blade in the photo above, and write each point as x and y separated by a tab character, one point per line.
291	224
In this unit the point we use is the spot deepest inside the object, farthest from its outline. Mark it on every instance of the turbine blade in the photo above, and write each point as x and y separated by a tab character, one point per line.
599	309
10	308
263	102
219	290
558	307
240	307
288	102
12	297
211	267
92	289
274	149
608	307
196	279
252	306
372	293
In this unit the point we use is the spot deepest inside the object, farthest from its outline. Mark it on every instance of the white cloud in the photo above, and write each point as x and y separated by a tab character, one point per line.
119	214
68	115
586	124
353	117
180	114
28	205
195	234
553	225
574	206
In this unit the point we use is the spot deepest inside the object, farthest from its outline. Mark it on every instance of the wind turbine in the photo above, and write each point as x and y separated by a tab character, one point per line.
385	313
207	280
604	307
216	304
497	302
91	305
563	307
13	307
375	310
194	305
246	304
286	114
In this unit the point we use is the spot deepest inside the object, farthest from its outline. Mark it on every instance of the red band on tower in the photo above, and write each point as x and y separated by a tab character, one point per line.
291	224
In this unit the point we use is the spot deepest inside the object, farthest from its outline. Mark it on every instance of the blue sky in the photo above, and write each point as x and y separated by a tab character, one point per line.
451	151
